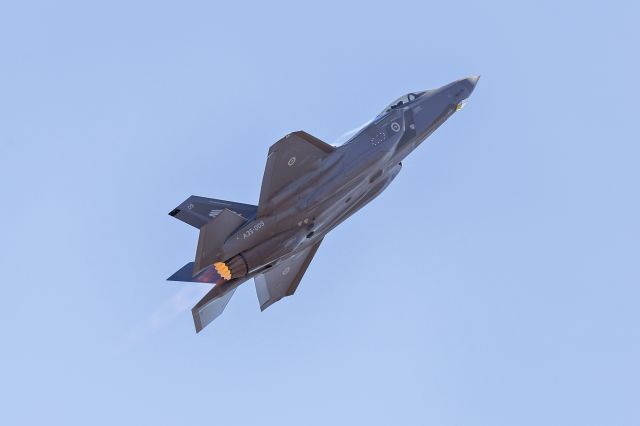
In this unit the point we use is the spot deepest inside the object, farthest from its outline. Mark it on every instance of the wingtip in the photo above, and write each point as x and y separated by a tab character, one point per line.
265	305
196	320
268	303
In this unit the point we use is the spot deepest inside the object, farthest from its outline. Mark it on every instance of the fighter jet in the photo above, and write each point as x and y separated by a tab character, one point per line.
308	188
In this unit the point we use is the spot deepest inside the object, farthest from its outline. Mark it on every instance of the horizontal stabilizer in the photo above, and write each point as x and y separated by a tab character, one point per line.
204	313
208	275
183	274
282	280
213	303
197	211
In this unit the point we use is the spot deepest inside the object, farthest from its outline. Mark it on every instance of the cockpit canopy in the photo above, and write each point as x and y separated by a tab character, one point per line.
402	101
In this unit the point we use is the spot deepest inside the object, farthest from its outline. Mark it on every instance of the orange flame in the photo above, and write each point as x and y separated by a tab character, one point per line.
223	270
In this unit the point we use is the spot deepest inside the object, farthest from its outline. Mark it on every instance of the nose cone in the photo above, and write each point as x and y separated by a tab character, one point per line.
431	104
459	90
462	89
473	80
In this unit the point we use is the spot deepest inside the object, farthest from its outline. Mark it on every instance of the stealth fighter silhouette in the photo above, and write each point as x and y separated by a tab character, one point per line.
308	188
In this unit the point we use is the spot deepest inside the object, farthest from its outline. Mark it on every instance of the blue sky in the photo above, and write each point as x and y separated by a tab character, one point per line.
495	282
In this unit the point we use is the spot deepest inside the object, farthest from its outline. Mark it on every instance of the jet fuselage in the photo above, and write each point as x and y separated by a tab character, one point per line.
308	188
345	180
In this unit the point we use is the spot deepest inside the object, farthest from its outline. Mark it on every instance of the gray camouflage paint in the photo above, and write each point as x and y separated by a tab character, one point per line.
309	187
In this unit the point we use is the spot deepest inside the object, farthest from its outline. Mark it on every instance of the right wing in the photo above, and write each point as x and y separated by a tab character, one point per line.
283	279
290	158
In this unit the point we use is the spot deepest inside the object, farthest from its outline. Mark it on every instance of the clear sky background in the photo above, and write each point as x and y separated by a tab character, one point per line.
495	282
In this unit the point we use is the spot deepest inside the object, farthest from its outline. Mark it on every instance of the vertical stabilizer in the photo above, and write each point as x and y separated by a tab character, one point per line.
212	237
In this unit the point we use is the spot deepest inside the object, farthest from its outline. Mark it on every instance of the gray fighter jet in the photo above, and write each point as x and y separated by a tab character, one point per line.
308	188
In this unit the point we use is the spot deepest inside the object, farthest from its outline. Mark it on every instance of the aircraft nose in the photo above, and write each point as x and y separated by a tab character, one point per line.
463	88
470	83
473	80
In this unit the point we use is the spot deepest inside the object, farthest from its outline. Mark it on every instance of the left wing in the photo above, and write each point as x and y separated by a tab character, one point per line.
290	158
283	279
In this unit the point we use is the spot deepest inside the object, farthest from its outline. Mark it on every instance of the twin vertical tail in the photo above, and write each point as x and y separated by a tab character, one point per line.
225	217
